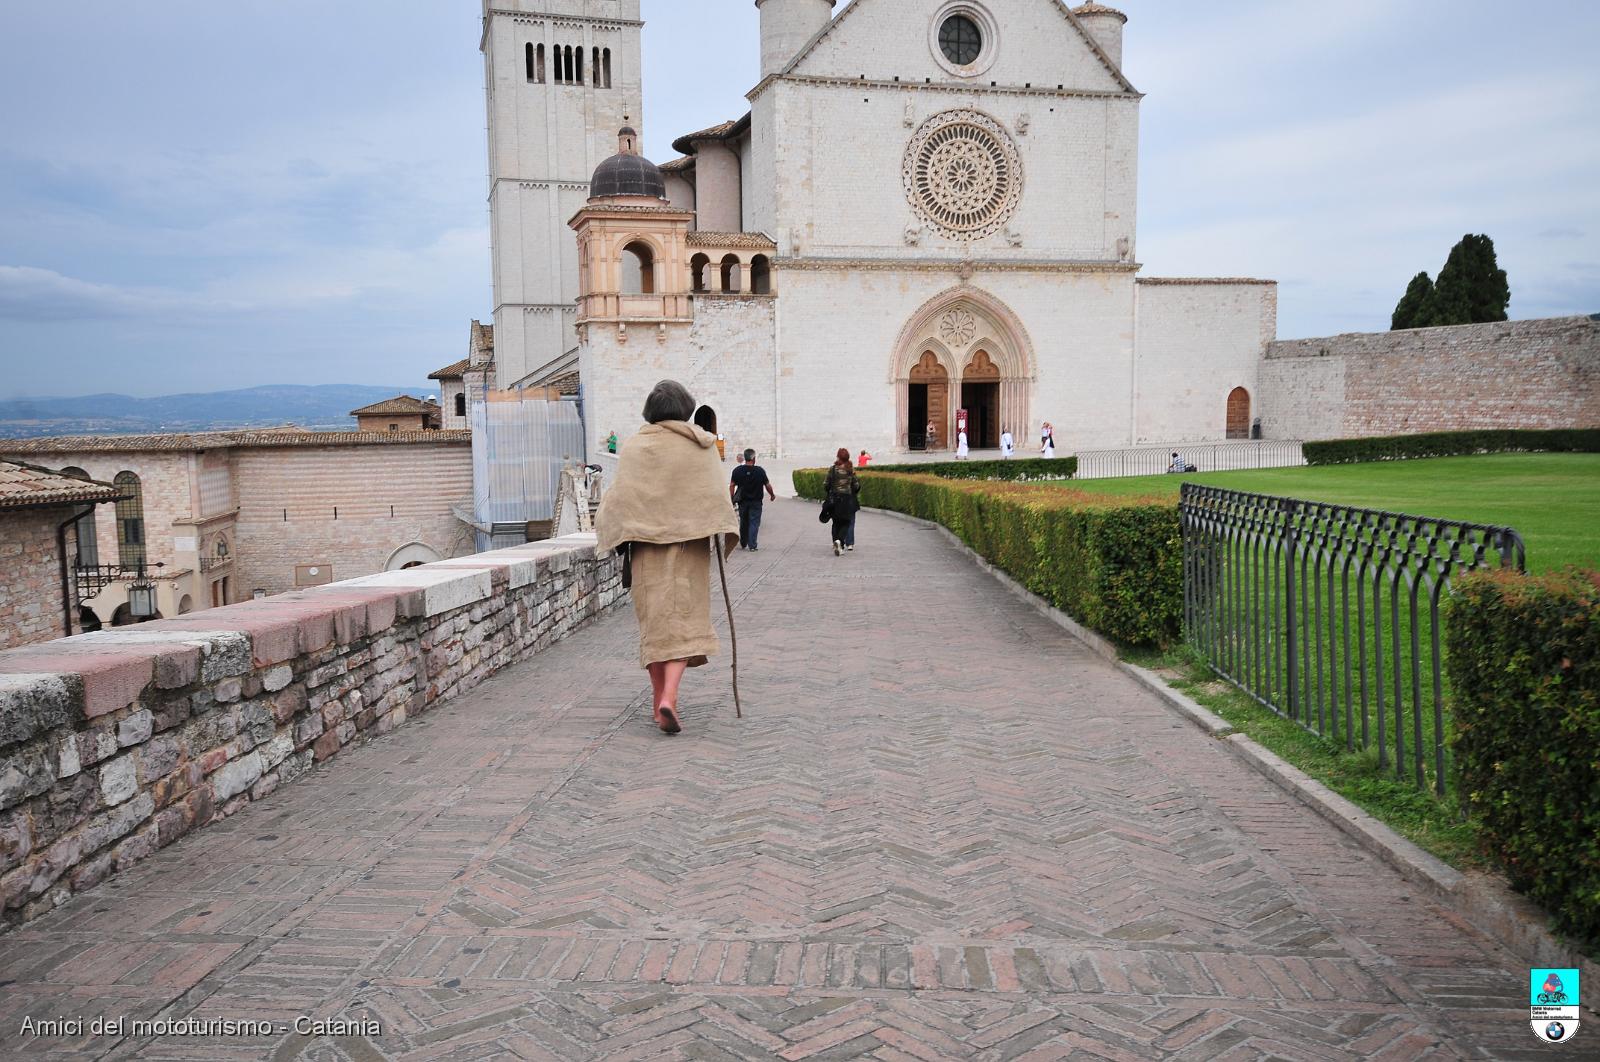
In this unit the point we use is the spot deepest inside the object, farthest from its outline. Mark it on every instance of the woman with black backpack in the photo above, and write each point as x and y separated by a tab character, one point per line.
840	501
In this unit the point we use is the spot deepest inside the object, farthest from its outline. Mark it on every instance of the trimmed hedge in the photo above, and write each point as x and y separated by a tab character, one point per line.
1017	469
1451	444
1113	564
1524	658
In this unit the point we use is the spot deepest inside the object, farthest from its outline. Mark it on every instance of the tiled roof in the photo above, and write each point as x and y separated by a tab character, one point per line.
29	486
455	370
1092	8
566	383
684	144
676	165
732	239
216	440
399	404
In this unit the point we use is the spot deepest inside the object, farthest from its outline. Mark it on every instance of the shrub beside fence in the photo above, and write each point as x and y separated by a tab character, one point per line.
1452	444
1524	658
1112	564
1016	469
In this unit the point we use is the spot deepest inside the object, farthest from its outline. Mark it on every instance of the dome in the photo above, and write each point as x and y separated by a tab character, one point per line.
627	172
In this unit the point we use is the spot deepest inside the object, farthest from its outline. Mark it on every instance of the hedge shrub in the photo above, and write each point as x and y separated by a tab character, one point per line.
1113	564
1451	444
1017	469
1524	658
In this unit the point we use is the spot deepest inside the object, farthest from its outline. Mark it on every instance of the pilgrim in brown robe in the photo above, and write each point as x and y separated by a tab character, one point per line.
666	504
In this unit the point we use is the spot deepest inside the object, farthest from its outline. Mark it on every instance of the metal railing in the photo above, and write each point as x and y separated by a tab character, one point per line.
1205	457
93	578
1321	612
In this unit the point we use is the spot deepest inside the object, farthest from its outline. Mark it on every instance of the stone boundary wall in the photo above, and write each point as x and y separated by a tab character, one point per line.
117	743
1511	374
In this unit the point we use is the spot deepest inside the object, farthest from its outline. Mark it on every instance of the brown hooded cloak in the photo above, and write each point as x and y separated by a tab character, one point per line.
667	502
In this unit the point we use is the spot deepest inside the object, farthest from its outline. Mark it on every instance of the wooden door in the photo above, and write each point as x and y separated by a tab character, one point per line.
1238	413
928	371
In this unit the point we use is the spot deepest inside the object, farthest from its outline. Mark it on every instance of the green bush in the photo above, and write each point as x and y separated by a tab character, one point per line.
1452	444
1017	469
1113	564
1524	658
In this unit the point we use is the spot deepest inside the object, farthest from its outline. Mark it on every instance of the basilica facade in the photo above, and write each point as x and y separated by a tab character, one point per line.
929	207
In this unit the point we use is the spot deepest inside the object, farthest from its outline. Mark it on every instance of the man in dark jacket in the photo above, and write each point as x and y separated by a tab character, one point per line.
745	489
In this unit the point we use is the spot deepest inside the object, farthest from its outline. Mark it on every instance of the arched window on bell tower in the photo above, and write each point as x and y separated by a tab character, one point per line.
638	269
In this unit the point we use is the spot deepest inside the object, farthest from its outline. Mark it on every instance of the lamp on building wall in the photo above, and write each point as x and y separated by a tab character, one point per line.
141	598
142	595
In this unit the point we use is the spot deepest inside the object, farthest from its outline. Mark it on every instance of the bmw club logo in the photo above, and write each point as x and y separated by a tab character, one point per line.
1553	1004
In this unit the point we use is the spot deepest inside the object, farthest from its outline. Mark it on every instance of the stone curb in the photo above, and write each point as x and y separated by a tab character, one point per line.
1485	901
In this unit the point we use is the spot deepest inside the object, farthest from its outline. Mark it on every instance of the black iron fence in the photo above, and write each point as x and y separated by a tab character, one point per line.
1329	615
1203	457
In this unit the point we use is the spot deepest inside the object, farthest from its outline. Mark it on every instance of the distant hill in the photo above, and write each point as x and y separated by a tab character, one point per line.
326	406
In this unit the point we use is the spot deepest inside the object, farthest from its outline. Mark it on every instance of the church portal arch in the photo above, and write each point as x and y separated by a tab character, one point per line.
955	327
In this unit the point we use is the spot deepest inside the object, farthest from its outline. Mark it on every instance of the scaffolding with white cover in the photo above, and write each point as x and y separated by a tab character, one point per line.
520	443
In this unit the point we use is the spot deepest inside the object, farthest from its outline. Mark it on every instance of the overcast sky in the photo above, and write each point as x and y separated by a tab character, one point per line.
197	196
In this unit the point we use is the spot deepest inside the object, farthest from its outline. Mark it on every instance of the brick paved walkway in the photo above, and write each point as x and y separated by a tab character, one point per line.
943	830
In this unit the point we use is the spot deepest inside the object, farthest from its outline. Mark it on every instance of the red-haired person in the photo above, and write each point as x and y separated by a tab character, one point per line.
841	490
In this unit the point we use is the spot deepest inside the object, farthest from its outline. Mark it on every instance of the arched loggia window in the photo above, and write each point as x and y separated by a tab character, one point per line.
697	272
760	275
638	269
730	273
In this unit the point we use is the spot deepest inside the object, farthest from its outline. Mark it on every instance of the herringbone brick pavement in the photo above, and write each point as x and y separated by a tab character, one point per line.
943	830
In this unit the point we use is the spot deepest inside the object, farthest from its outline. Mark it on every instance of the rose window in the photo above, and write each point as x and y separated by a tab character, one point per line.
958	327
962	174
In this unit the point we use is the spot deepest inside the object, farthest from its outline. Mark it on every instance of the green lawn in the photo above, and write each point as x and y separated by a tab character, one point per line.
1553	500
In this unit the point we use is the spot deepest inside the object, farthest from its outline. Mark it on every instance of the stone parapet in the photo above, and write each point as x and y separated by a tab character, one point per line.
117	743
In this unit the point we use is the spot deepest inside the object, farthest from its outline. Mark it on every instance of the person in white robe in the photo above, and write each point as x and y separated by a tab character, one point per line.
961	446
1008	444
1047	441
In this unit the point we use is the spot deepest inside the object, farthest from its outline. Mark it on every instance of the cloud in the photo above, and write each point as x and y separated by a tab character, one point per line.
31	294
1560	234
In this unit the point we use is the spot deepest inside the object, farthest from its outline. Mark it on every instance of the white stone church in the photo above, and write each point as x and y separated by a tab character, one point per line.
929	206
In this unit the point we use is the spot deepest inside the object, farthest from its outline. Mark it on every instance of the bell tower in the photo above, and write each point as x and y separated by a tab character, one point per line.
561	77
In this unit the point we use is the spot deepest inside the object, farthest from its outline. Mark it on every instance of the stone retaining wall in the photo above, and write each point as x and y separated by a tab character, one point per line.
116	743
1512	374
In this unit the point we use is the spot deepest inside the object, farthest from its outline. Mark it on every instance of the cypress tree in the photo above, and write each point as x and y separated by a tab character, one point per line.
1472	287
1417	307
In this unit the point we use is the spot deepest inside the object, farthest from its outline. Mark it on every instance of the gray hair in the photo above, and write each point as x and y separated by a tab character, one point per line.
669	400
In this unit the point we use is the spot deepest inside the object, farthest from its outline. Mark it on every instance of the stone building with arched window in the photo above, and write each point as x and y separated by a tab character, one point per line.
929	207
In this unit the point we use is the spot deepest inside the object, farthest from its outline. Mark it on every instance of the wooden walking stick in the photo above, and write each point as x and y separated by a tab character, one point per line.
722	571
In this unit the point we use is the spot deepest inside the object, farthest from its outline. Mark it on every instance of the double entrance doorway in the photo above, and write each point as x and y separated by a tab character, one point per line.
929	402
